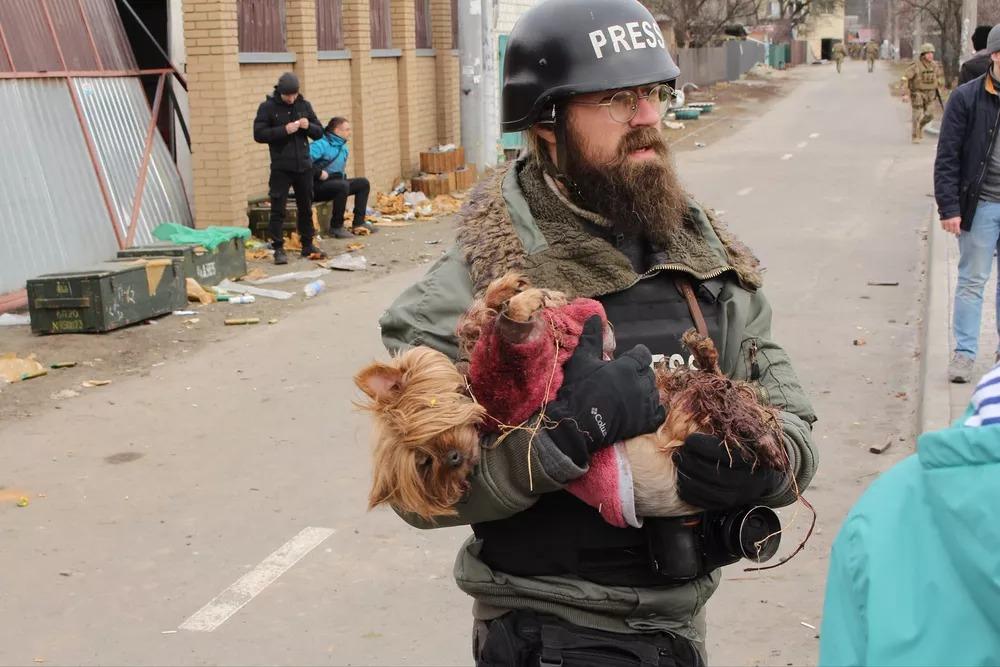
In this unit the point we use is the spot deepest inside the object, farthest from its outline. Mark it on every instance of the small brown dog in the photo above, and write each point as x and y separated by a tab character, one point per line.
426	441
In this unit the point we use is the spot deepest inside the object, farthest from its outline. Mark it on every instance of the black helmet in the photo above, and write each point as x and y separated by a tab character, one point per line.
561	48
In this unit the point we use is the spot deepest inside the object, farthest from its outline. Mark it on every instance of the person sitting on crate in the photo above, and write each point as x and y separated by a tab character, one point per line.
329	156
283	121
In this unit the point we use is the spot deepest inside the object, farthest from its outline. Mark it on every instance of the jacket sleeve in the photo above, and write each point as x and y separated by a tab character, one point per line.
315	130
844	635
780	387
947	164
263	132
512	472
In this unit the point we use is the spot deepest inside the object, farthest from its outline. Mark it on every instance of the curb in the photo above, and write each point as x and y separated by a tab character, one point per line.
934	410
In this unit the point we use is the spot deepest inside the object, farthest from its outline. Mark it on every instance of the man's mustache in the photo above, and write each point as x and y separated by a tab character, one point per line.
639	138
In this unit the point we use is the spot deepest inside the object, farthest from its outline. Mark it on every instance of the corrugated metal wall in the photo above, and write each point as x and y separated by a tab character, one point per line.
51	213
118	116
32	48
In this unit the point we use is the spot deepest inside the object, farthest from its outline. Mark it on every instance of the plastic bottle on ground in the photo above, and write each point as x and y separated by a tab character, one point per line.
314	288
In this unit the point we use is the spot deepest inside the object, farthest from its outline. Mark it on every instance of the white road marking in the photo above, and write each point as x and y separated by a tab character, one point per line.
251	584
814	135
744	192
802	144
787	156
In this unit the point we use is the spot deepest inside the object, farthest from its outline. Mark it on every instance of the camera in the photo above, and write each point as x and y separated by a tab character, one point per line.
687	547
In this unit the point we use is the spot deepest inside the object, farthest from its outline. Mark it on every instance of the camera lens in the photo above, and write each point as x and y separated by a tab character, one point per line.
758	533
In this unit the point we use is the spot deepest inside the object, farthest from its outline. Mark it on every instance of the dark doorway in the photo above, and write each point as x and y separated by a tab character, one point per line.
826	48
154	14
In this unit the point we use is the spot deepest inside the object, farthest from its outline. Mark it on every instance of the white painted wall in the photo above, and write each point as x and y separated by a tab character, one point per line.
178	55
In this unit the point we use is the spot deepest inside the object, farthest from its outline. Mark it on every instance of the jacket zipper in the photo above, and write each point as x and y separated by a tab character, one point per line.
657	268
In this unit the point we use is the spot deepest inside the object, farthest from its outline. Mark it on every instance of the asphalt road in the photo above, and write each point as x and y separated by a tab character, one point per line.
214	511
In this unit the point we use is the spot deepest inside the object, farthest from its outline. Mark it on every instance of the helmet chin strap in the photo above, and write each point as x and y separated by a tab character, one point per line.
558	170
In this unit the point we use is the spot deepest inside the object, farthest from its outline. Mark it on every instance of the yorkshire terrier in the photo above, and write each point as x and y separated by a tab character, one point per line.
429	416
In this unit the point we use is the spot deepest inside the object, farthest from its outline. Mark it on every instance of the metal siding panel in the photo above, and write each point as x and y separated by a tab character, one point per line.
109	35
72	34
52	217
118	116
261	26
32	46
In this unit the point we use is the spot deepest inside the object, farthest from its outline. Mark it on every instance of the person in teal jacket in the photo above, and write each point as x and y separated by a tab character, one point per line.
329	156
915	570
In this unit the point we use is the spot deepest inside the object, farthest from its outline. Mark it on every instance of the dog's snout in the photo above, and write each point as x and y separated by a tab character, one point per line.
454	458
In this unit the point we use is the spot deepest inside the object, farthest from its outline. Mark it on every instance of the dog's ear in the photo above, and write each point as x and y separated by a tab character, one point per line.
380	381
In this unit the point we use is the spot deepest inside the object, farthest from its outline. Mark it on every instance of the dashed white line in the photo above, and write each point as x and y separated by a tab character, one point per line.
802	144
787	156
744	192
814	135
247	587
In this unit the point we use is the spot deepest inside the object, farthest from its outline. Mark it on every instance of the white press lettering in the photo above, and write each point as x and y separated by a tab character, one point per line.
647	28
659	37
636	35
598	41
617	34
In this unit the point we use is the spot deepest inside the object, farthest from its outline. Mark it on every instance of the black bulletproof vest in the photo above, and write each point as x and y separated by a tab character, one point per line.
561	534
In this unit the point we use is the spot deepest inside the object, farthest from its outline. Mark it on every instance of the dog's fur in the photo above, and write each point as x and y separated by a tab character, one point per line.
426	441
427	424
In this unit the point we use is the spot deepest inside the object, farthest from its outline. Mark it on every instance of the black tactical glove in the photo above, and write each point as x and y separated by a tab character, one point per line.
706	479
601	402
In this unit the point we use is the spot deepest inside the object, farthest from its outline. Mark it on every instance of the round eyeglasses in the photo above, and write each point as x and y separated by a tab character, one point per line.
624	104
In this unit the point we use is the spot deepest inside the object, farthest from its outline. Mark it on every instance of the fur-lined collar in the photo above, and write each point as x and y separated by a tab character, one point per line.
514	221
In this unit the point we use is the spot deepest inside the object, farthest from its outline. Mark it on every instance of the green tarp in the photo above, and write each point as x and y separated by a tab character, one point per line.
210	237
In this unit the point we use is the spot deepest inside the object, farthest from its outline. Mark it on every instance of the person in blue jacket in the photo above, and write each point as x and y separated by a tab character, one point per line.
915	570
329	156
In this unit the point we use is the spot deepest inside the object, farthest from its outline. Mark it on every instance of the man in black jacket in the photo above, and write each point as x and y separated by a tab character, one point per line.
977	65
284	121
967	190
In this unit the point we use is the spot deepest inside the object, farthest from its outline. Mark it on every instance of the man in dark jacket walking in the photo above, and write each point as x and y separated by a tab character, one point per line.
980	62
284	121
967	190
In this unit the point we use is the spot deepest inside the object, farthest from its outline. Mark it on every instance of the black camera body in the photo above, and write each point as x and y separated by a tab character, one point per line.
688	547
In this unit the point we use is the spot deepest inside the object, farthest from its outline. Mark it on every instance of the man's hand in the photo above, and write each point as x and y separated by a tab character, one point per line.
304	123
323	175
952	225
601	402
710	477
292	127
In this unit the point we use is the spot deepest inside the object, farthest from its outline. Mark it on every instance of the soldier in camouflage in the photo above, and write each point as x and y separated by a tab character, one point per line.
924	82
871	55
839	53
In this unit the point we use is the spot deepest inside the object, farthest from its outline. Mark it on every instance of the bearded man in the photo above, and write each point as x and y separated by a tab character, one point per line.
594	209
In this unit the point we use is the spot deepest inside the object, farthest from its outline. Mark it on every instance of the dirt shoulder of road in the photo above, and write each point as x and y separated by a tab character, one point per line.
136	350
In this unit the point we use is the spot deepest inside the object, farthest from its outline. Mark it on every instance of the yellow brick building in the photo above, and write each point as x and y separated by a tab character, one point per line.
393	73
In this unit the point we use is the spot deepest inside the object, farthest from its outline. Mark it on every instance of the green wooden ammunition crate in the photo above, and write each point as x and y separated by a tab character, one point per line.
259	216
106	296
208	267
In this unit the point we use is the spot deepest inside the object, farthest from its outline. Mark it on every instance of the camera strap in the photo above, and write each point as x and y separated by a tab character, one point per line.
684	287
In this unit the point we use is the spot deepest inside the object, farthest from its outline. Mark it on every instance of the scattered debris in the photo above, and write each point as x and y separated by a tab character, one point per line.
196	292
313	288
228	285
433	242
699	144
444	204
347	262
23	501
242	299
673	125
384	223
63	364
95	383
241	321
13	320
414	199
390	204
14	369
803	623
64	394
168	632
255	274
273	320
258	253
351	247
294	242
858	342
886	283
360	231
185	313
880	450
285	277
192	321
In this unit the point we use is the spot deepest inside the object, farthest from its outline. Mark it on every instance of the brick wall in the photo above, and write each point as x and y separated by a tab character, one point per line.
398	105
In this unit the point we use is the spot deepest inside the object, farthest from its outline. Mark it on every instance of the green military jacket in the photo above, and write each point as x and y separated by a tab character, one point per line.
500	231
924	77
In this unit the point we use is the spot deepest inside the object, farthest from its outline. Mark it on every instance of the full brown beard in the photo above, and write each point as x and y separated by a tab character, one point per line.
642	197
